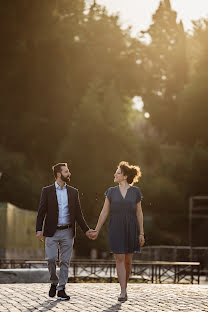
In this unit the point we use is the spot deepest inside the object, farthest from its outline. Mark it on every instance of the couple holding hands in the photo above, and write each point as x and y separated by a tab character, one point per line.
59	209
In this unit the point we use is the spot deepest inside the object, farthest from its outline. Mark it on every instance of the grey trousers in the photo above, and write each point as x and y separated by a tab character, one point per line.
64	240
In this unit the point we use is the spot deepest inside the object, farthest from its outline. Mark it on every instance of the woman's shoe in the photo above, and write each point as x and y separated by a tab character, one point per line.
123	296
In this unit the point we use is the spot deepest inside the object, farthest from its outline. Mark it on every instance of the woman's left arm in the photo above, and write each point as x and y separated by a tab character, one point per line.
139	215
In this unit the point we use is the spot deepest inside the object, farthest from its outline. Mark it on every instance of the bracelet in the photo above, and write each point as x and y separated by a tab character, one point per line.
141	234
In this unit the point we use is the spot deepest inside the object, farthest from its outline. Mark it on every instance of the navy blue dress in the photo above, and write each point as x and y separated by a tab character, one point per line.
123	227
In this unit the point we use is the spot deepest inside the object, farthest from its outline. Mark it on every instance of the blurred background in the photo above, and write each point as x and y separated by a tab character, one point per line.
91	84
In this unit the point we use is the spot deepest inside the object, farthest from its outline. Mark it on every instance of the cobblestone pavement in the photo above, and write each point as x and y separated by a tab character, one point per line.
102	297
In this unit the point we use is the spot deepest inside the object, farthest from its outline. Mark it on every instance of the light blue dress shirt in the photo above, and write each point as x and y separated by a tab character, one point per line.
63	205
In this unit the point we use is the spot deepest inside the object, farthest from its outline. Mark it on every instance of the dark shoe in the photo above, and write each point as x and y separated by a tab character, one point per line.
52	291
61	295
123	297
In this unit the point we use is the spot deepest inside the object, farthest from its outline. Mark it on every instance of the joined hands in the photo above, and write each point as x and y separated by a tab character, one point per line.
92	234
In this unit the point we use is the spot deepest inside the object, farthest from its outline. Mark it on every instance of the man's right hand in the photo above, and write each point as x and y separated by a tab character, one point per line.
39	235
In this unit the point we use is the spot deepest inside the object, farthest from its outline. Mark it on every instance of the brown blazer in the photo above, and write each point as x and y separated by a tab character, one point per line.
48	211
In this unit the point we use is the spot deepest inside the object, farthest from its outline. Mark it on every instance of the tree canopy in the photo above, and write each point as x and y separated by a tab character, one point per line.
68	78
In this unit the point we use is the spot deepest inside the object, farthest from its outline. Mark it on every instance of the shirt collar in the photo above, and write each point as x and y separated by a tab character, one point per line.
58	186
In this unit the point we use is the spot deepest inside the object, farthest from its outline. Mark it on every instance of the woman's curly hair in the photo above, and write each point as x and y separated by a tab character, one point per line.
133	173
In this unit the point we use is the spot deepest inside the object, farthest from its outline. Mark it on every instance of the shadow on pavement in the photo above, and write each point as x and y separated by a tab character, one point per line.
45	306
115	307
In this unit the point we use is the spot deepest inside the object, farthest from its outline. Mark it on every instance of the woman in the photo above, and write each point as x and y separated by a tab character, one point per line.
126	233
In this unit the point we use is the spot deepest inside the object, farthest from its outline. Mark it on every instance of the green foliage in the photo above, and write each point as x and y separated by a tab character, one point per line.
99	130
18	184
166	70
52	53
193	101
68	78
181	173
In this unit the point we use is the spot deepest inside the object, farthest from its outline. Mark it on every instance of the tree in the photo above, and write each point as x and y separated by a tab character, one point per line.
98	139
99	130
166	68
51	52
193	100
36	80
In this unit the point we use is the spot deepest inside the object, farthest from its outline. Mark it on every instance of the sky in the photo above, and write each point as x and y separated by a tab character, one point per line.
138	13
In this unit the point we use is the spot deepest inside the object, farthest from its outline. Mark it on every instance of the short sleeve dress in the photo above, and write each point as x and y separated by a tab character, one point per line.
123	229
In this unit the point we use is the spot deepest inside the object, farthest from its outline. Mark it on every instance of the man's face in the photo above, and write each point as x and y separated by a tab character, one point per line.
65	174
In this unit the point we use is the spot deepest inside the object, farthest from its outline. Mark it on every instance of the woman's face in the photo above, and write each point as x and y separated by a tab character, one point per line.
118	176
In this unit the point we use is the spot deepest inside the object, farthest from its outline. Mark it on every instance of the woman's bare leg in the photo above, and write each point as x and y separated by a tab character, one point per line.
128	262
121	271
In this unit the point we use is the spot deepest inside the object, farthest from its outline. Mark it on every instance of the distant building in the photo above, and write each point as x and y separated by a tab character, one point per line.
17	234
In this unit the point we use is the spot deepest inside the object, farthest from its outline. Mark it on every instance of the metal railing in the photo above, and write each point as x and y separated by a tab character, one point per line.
142	271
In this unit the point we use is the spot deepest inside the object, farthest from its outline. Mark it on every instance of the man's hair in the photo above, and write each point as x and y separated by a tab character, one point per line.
57	168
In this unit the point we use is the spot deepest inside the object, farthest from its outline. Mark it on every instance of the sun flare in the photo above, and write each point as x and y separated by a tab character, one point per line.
138	13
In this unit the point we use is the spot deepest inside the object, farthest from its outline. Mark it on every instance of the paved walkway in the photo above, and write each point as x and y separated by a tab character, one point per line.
102	297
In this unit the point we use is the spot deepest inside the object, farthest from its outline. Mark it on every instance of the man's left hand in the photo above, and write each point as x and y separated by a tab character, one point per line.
89	233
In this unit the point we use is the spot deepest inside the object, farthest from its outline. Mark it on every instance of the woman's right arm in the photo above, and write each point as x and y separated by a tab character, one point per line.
103	215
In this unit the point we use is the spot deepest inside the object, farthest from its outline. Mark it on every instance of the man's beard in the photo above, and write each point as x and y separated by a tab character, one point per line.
65	179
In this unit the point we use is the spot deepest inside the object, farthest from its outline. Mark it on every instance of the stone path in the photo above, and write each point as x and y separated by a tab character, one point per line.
102	297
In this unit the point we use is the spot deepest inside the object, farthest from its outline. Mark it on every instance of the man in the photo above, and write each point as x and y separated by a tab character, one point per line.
59	208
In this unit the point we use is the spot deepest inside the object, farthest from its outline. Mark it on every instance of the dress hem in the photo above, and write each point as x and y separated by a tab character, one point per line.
124	253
